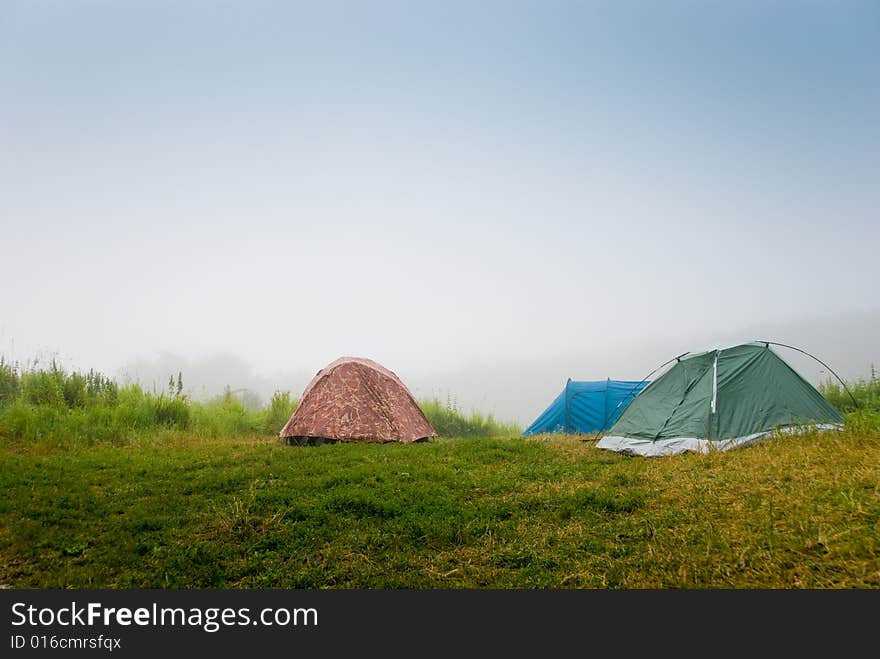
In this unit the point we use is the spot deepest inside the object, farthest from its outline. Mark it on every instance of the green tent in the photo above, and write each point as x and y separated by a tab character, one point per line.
719	399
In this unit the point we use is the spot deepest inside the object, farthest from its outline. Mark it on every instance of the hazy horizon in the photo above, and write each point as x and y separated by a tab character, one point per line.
518	389
486	199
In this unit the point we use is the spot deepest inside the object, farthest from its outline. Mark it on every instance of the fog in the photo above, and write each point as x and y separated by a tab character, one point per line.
485	199
518	389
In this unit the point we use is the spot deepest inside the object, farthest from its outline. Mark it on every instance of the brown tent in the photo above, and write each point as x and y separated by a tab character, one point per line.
356	400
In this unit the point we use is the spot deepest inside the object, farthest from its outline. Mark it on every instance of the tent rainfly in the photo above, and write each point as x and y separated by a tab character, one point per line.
718	400
356	400
586	406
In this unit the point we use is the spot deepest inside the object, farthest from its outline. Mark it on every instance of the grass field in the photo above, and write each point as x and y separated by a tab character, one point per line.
174	510
109	486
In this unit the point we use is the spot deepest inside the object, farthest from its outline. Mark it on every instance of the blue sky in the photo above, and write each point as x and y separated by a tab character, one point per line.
431	184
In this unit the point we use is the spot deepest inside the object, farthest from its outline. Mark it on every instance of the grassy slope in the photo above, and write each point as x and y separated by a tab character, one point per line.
502	513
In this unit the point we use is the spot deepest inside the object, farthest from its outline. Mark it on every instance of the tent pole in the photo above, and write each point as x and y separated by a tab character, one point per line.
640	382
769	343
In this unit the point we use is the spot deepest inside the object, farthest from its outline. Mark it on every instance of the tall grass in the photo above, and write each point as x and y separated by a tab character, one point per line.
70	408
859	401
450	421
865	393
278	411
63	408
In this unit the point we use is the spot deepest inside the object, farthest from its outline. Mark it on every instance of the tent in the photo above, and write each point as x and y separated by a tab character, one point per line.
719	399
586	407
354	399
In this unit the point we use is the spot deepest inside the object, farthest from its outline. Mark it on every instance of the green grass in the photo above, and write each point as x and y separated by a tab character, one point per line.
70	409
450	421
859	395
108	486
175	510
52	406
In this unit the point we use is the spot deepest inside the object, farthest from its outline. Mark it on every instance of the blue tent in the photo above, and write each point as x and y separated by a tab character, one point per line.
586	407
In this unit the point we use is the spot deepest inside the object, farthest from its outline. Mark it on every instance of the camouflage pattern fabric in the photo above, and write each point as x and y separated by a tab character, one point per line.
355	399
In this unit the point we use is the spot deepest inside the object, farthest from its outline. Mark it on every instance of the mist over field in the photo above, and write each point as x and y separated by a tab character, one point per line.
518	388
